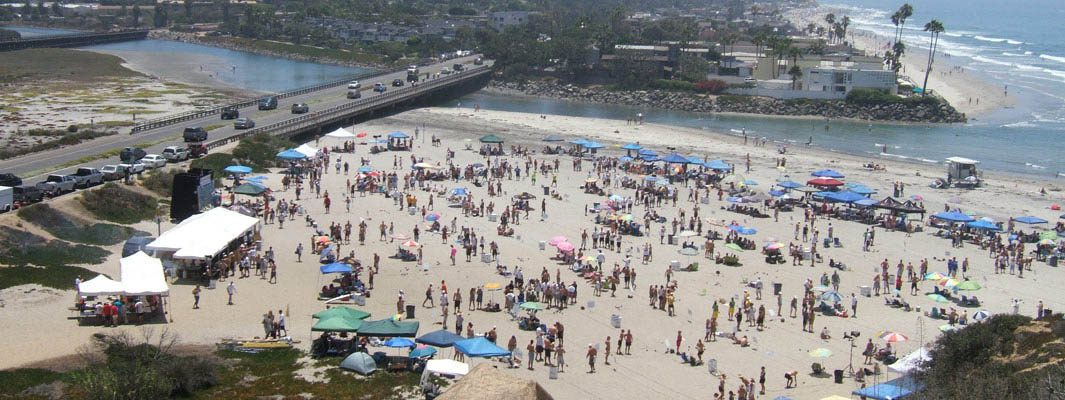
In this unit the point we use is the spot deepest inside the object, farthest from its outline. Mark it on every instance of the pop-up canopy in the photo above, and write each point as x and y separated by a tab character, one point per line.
142	275
99	286
204	235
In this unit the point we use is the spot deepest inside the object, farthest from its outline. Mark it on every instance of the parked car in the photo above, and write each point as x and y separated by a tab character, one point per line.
27	195
55	185
195	134
135	244
153	161
268	103
112	172
445	71
354	94
354	85
131	154
379	87
458	67
9	179
230	113
197	150
243	123
300	108
397	82
88	177
134	168
176	153
7	198
478	61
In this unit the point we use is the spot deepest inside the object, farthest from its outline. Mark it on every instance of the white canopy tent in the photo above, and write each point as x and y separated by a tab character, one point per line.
142	275
911	362
306	150
340	133
100	286
204	235
447	367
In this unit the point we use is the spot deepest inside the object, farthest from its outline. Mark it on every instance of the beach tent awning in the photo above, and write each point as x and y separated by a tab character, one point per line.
1030	220
480	347
484	382
962	160
389	328
440	338
203	235
491	139
647	152
911	361
862	189
827	173
237	169
398	135
625	159
142	275
631	146
307	150
291	154
718	165
789	184
341	311
953	216
337	324
985	225
99	286
335	268
824	181
447	367
867	202
845	196
250	189
674	158
578	141
891	390
359	362
340	133
591	144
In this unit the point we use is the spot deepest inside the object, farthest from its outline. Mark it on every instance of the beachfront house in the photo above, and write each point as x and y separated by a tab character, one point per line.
842	77
499	20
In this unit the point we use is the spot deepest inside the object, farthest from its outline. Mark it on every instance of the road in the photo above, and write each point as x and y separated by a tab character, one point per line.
35	167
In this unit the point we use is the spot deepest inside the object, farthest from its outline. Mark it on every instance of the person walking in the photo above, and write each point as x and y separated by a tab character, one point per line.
429	296
606	351
231	290
299	252
559	357
196	297
591	358
530	350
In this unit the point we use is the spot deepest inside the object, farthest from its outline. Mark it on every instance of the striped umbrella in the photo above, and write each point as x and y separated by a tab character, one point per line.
894	337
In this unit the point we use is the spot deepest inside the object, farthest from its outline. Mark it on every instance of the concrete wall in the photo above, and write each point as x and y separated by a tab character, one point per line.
788	94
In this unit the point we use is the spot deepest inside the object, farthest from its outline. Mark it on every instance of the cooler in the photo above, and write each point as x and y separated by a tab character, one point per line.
493	217
865	290
615	321
543	245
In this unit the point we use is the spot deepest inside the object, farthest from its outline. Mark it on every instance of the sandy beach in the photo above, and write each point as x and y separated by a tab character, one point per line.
648	372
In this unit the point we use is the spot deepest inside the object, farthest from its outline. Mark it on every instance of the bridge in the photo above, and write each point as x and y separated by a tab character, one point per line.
329	107
74	40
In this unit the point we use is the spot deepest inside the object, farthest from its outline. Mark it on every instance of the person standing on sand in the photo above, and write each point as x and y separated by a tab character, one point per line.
231	290
606	351
196	297
299	252
530	352
591	358
559	352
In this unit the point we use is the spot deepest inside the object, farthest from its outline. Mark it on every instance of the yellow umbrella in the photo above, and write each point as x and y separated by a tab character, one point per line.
492	286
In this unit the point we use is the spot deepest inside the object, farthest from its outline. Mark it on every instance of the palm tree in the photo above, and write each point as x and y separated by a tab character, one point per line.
796	74
904	12
729	41
844	23
934	28
759	40
810	28
831	20
896	19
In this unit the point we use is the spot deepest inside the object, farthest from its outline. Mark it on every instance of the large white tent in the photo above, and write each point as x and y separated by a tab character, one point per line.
99	286
340	133
911	362
204	235
142	275
308	151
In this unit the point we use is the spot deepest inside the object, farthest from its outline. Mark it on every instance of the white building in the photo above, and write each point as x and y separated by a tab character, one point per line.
502	19
842	77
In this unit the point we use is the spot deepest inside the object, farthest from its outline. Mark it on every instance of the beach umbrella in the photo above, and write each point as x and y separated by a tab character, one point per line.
688	251
440	338
343	312
291	155
399	342
491	139
647	152
492	286
593	145
938	298
827	173
1030	220
1052	235
1046	242
734	246
750	182
257	179
532	306
632	146
399	236
410	244
774	246
894	337
947	282
687	234
820	288
865	202
591	180
820	353
555	241
578	141
954	216
459	191
967	285
917	197
361	135
420	352
431	217
364	169
565	247
981	315
862	189
947	328
718	165
789	184
831	297
934	276
777	193
335	268
625	159
695	159
824	182
250	189
237	169
674	158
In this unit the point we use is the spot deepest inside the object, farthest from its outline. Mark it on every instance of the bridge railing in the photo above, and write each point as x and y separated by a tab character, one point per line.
340	111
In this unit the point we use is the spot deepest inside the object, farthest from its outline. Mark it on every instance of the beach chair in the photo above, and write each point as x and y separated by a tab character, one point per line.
827	243
817	369
836	242
711	366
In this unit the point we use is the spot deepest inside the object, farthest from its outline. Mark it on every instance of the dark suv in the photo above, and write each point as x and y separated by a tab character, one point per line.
268	103
195	134
300	108
10	180
130	154
28	194
230	113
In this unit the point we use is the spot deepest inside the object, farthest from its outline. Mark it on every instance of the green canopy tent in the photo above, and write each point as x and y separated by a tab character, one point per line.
249	189
389	328
346	312
337	324
491	139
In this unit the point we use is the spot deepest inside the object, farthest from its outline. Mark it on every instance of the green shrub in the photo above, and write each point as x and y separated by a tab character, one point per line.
57	277
139	369
672	85
160	181
258	151
876	96
13	382
115	203
63	227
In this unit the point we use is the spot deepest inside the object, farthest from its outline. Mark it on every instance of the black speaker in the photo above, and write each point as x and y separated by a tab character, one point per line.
190	193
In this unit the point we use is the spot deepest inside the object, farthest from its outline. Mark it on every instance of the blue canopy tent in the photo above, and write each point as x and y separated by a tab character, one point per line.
674	158
862	190
335	268
480	347
984	225
291	155
625	159
953	216
399	342
647	154
827	173
1030	220
865	202
894	389
777	193
845	196
440	338
593	145
398	135
578	141
422	352
694	159
789	184
459	191
718	165
399	141
743	230
632	146
238	169
649	158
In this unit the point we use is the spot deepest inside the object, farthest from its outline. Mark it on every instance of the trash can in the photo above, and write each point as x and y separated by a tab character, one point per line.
412	210
839	375
410	311
493	217
866	290
543	245
777	288
552	373
615	321
547	190
1053	261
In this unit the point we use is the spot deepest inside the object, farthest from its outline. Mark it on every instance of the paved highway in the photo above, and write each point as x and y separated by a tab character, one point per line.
35	167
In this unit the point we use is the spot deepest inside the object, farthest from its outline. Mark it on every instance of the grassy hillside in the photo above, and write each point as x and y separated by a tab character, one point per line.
61	64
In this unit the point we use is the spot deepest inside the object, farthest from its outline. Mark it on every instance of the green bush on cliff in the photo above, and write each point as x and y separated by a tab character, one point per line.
676	86
875	96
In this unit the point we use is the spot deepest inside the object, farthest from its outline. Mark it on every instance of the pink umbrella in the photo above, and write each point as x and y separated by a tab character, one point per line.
565	247
410	243
557	239
894	337
824	182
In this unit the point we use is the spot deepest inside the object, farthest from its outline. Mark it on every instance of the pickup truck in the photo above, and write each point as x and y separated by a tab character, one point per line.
56	185
88	177
27	195
112	172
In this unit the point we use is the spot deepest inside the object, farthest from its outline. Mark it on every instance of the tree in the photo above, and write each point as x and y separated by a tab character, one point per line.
934	28
830	19
759	43
136	15
728	41
796	74
57	9
904	12
844	24
811	28
188	10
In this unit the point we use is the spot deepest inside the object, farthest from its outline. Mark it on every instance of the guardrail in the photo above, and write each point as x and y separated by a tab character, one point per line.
341	111
74	40
197	114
